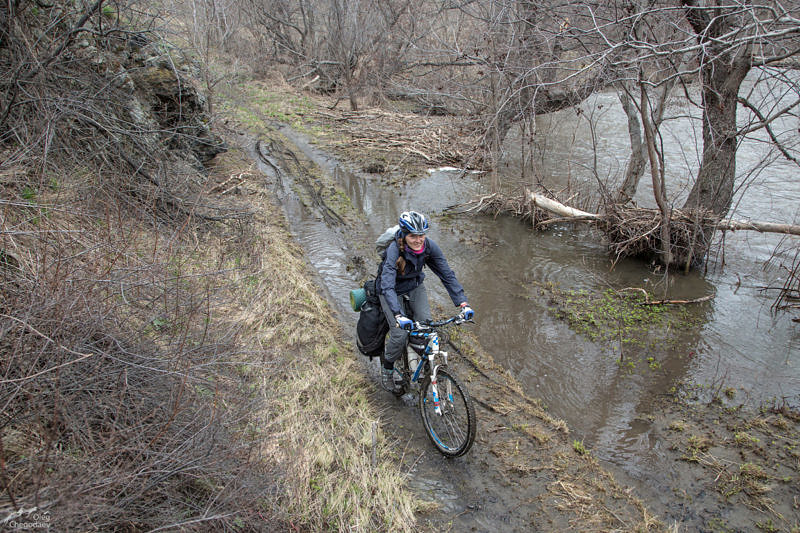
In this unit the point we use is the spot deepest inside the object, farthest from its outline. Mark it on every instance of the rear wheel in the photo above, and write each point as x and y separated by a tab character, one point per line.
452	430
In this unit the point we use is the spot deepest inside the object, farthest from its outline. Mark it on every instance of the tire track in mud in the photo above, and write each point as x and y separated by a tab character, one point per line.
524	472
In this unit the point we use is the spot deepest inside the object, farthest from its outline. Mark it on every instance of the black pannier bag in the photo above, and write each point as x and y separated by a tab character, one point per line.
372	326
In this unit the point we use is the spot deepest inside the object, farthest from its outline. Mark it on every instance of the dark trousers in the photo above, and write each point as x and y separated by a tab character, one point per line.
418	302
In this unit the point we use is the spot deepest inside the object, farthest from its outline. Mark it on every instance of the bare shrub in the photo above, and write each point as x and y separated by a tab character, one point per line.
120	403
788	294
113	376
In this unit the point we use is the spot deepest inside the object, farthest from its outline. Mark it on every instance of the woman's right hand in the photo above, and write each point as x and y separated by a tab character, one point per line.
403	322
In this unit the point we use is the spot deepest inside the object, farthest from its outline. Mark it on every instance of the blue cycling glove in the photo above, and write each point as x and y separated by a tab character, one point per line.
467	313
403	322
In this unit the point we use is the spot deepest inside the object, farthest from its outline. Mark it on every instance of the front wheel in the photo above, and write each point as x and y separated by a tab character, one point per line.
452	428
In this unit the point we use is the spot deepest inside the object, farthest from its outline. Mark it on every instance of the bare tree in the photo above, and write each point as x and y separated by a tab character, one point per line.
286	30
725	43
213	24
332	45
546	56
732	39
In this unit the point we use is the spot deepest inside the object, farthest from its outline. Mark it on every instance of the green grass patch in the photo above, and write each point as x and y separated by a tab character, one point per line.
579	448
625	319
609	315
255	104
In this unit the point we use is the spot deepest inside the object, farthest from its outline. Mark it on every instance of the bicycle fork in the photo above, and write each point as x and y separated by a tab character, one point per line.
437	403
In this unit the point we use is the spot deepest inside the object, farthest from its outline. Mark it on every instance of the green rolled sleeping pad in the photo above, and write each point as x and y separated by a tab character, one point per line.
357	299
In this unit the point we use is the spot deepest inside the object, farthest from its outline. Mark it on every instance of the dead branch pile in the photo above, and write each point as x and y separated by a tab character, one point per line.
629	231
402	136
635	231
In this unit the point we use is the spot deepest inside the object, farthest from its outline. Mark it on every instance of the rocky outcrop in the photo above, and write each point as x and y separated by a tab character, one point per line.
148	118
178	108
163	101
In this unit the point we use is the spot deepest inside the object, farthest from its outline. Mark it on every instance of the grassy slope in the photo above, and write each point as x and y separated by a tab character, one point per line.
319	425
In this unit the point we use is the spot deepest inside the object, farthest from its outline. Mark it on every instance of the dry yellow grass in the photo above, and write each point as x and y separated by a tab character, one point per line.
319	423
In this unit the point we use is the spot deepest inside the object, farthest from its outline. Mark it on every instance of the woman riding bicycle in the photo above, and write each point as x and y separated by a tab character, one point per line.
400	274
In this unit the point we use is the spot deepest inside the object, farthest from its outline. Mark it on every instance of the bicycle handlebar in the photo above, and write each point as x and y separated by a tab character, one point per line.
457	319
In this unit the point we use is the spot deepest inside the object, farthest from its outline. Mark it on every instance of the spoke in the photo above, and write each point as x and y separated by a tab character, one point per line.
455	430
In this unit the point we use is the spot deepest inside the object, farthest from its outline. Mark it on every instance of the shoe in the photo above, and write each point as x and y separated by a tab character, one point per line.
392	381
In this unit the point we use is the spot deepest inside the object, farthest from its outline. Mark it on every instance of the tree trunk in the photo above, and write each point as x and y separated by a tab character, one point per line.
349	86
659	187
714	186
637	162
723	69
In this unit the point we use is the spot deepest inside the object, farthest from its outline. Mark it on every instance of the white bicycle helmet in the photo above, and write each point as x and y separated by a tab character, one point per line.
413	222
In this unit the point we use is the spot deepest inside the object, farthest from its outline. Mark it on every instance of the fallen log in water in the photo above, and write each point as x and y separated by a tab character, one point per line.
762	227
630	231
562	210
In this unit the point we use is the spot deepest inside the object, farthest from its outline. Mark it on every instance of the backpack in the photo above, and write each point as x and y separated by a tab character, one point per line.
372	326
386	238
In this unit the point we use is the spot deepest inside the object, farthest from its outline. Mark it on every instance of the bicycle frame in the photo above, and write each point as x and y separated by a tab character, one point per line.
428	332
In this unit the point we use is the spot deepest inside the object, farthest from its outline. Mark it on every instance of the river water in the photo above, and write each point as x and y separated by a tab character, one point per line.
736	341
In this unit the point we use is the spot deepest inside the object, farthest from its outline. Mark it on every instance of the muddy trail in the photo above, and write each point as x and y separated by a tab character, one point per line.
526	471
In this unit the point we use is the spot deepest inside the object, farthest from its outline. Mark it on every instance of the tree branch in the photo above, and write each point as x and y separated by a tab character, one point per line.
765	122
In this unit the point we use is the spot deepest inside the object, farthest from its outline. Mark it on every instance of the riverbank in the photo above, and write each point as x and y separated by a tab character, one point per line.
735	468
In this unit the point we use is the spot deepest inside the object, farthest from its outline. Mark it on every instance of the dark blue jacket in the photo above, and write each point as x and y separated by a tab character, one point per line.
391	283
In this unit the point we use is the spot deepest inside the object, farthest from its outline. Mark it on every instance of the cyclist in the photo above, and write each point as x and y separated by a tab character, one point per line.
399	274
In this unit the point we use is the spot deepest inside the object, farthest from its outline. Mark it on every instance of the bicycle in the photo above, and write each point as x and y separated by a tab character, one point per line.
445	406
